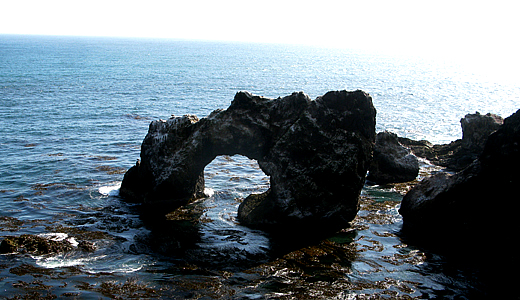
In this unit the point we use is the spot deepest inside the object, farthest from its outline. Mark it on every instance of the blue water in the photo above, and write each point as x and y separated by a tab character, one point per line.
74	111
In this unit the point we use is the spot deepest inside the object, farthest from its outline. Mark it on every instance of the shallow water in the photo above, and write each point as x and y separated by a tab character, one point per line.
74	111
221	259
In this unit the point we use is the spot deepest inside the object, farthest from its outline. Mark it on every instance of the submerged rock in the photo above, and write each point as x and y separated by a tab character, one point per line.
316	154
392	162
481	200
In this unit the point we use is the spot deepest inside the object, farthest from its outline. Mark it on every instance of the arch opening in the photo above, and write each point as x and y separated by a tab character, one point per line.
228	180
235	174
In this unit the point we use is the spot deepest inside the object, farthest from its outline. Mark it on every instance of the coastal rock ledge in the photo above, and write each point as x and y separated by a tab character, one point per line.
478	202
316	153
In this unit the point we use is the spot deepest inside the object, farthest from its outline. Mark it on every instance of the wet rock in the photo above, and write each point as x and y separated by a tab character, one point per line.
33	244
479	201
392	162
43	244
315	152
458	154
87	246
25	269
130	289
8	246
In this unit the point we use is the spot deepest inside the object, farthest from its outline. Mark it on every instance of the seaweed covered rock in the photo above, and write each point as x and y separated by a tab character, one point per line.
481	200
34	244
316	154
392	162
42	244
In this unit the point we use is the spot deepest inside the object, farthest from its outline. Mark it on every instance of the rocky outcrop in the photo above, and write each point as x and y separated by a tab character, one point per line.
458	154
392	162
316	154
476	128
476	201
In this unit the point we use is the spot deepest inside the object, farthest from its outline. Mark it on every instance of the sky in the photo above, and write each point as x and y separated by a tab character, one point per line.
480	34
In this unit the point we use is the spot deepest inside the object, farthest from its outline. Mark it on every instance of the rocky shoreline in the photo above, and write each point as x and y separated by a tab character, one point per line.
474	194
474	202
395	158
464	205
460	153
311	148
317	154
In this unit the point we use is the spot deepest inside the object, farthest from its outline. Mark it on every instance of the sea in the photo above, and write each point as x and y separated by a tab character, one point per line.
75	110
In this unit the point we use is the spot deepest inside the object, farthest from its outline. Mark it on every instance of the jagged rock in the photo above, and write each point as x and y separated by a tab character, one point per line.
460	153
315	152
392	162
476	128
481	200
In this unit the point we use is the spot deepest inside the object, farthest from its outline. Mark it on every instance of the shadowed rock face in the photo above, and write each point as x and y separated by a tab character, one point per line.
481	200
315	152
392	162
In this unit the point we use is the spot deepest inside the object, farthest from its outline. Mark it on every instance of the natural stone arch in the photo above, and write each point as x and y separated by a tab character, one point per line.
315	152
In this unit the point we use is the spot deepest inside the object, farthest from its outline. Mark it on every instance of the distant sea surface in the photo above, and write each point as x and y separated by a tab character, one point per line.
74	111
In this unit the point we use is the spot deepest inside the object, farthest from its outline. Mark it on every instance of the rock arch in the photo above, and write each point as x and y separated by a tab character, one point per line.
315	152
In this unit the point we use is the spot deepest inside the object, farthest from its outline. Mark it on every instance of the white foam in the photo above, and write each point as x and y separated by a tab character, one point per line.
60	262
110	190
209	192
58	237
55	236
122	269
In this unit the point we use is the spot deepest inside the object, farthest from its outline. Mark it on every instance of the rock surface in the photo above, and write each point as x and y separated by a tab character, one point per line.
34	244
458	154
481	200
316	154
392	162
476	128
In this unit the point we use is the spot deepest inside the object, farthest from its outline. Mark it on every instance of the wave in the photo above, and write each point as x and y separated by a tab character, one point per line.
110	190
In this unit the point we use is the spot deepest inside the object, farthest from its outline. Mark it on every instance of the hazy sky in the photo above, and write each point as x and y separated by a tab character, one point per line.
479	32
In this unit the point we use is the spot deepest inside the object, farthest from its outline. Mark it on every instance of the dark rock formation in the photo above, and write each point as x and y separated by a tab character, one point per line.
458	154
481	200
476	128
315	152
392	163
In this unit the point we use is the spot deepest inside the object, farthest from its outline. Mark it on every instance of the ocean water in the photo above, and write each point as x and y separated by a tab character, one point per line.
74	111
